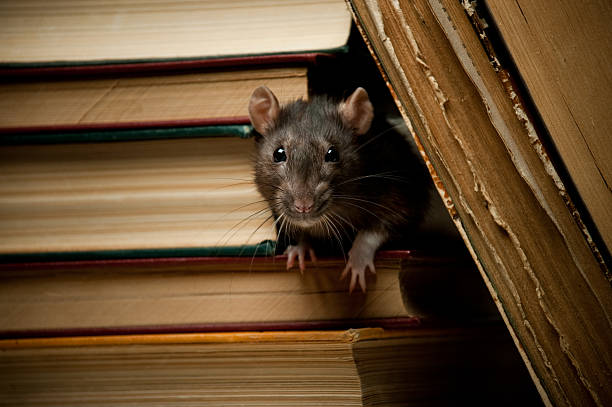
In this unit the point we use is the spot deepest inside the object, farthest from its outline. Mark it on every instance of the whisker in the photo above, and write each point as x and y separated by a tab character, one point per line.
333	216
336	234
360	207
382	175
271	185
279	230
233	179
259	227
379	135
251	236
340	197
284	225
241	182
244	181
230	185
235	228
326	226
244	206
342	218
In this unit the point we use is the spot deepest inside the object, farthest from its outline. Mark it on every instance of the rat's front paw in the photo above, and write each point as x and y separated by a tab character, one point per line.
357	265
299	251
361	257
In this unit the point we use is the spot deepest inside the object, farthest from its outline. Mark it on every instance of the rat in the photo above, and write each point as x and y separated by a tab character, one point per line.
332	173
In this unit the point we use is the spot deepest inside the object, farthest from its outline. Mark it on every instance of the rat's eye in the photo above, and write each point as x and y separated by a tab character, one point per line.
332	155
279	155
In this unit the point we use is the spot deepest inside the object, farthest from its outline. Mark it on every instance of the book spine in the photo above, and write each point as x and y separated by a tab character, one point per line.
233	127
262	249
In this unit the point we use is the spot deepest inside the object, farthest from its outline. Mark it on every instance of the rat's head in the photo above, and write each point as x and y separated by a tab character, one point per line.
306	153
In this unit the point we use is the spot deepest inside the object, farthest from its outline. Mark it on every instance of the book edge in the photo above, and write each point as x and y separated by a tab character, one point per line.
349	336
69	69
214	328
164	257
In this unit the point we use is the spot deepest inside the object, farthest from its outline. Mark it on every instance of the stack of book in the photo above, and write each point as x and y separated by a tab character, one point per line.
138	262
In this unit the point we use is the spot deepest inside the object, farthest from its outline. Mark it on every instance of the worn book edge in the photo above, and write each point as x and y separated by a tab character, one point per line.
59	68
344	336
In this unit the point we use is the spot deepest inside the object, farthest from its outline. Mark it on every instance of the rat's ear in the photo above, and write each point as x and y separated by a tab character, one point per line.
263	109
357	111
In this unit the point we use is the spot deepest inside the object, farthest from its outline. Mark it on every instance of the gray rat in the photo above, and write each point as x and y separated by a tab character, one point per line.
331	173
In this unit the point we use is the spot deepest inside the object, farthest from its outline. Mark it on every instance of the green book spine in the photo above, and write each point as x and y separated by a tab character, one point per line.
262	249
96	136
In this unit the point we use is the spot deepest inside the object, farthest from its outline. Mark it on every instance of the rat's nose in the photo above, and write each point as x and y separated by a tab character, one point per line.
303	205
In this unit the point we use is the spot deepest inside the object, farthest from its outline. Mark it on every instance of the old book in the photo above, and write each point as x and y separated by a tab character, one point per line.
78	31
101	199
561	50
362	367
144	95
233	293
535	253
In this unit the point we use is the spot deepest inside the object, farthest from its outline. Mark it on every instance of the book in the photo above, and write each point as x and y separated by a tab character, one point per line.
144	95
357	367
561	65
70	32
112	199
183	294
505	194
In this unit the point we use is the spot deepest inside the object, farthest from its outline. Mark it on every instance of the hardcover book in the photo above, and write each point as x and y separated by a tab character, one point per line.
144	95
117	199
70	32
161	295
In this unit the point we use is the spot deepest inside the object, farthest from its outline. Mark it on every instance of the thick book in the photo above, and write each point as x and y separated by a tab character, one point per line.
163	295
164	192
475	366
72	32
172	94
505	193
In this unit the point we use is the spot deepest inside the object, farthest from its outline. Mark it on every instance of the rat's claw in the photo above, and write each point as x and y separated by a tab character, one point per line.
302	259
358	271
313	256
344	272
291	253
357	276
299	252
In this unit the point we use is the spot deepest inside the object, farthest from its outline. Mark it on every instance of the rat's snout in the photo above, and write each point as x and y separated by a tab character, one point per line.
303	205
